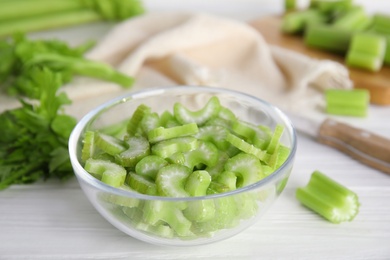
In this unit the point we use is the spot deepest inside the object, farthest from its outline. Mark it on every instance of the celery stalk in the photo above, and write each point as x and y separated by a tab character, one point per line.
351	19
296	22
19	9
328	38
329	199
48	21
366	51
381	23
347	102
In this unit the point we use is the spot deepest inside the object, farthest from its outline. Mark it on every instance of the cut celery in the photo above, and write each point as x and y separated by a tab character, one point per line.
166	148
141	184
205	154
150	165
381	23
328	38
329	199
229	179
149	122
353	102
274	142
351	19
109	144
161	133
138	148
197	183
296	22
88	146
122	200
169	212
214	134
246	167
136	118
247	147
185	116
170	180
108	172
366	51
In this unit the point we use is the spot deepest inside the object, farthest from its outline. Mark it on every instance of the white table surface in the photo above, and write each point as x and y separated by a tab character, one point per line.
55	221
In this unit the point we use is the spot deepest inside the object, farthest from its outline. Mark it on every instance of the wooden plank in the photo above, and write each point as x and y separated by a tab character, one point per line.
378	83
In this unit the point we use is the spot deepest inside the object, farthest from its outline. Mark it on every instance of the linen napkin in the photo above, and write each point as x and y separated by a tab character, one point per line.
167	49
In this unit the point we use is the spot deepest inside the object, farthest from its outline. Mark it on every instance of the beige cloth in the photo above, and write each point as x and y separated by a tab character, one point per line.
166	49
200	49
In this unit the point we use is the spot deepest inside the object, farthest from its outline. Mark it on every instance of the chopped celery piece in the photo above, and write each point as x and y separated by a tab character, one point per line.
366	51
88	146
161	133
141	184
274	142
246	167
215	134
351	19
197	183
106	171
166	148
347	102
149	122
169	212
381	23
229	179
205	154
138	148
296	22
328	38
122	200
109	144
185	116
170	180
328	198
247	147
136	118
150	165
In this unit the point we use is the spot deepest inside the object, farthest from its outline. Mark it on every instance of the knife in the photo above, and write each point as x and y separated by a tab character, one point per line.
364	146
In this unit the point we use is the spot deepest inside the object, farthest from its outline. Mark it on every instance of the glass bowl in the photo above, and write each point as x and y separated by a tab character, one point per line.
168	220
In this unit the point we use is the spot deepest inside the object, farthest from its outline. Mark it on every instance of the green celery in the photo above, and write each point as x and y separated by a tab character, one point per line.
347	102
329	199
34	15
366	51
352	19
296	22
328	38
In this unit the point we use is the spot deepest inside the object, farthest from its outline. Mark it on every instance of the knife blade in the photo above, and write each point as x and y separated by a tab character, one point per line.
364	146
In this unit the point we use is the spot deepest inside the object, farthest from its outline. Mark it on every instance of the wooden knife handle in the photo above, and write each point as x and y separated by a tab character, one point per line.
368	148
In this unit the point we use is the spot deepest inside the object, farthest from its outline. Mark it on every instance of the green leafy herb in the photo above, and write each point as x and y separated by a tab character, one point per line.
34	137
20	54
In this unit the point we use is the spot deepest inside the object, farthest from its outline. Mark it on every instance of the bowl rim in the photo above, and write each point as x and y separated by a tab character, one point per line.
88	118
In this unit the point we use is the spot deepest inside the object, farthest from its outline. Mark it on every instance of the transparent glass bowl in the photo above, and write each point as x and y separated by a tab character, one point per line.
234	211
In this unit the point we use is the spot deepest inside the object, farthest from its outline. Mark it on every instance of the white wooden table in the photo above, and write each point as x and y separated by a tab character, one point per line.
55	221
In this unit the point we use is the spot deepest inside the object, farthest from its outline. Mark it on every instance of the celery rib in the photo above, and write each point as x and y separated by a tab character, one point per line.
329	199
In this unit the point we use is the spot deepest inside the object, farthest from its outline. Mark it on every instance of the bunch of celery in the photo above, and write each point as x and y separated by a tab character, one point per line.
34	136
344	28
34	15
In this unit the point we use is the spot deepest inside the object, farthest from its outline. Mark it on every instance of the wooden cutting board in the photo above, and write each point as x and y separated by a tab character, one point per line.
378	83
